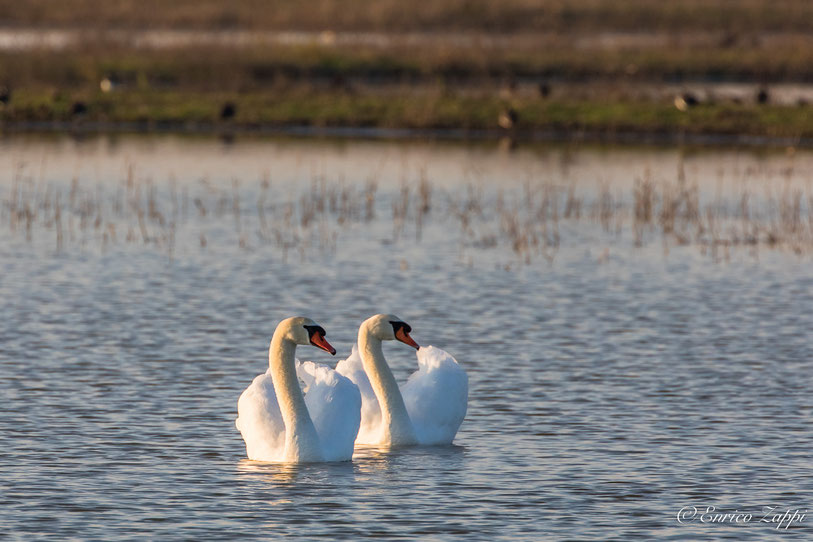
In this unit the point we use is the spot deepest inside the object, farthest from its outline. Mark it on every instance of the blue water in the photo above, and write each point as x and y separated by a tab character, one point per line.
608	390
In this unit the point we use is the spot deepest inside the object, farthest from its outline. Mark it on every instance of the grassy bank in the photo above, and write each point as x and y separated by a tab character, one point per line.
427	110
606	66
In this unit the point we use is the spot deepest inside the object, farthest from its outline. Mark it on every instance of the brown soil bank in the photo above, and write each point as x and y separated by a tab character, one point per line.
736	17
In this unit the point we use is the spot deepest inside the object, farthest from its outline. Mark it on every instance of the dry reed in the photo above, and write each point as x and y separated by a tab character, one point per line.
533	220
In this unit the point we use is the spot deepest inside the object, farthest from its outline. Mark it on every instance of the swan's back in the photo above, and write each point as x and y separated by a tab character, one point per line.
334	404
436	396
260	421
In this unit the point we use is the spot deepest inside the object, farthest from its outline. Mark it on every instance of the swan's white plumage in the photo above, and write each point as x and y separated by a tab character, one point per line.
436	397
352	368
260	421
333	403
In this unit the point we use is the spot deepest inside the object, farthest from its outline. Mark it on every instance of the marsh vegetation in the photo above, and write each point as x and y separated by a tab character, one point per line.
524	220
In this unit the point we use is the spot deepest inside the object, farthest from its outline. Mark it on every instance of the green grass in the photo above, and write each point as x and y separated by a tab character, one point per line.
426	110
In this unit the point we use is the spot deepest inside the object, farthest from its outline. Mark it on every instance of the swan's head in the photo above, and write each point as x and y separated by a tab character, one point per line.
388	327
303	330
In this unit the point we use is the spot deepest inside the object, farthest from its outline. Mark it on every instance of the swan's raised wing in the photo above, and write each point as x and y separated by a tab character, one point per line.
352	368
436	396
260	421
334	404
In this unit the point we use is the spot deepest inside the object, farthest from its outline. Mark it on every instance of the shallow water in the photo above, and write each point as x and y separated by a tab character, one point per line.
611	385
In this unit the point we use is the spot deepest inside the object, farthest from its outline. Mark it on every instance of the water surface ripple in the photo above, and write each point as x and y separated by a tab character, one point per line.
603	397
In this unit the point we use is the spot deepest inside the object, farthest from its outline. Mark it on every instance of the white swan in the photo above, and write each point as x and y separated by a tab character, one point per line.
279	423
428	409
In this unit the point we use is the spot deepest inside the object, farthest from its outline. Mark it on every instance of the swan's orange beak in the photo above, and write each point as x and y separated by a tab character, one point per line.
404	337
318	340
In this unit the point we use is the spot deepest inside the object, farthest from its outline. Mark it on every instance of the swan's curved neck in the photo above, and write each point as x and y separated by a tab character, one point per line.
397	426
301	440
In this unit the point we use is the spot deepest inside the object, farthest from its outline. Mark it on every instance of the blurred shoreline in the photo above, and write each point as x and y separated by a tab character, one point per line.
227	133
601	70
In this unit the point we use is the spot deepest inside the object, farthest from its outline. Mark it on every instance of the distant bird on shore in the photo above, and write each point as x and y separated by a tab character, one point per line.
228	111
686	101
79	108
762	96
508	118
5	95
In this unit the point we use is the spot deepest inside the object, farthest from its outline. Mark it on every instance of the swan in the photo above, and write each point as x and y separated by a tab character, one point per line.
279	423
427	409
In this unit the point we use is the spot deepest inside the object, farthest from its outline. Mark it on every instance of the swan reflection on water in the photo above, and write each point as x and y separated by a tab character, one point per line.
370	452
367	459
284	485
348	493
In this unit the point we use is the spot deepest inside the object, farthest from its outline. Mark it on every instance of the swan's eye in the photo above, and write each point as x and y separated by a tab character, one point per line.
315	329
401	325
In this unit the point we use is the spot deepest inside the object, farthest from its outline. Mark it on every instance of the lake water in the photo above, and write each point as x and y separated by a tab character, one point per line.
620	371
